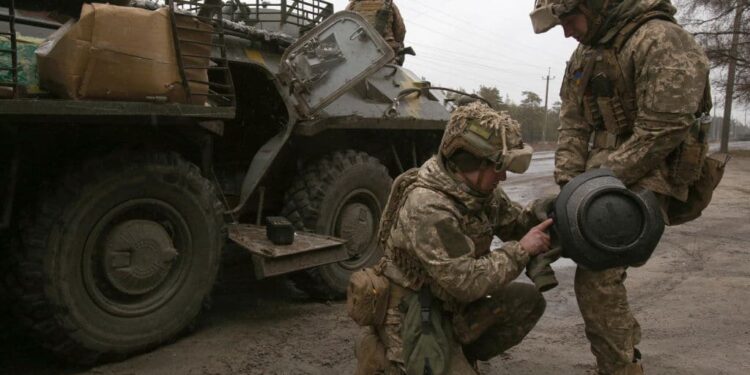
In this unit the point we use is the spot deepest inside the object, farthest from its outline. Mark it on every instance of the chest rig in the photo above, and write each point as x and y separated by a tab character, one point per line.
378	13
608	96
474	225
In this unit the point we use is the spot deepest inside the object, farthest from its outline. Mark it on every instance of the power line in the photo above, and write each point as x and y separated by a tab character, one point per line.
422	66
462	25
475	46
453	52
453	66
448	69
502	68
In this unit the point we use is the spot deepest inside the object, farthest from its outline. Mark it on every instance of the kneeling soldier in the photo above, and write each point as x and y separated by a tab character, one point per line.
449	299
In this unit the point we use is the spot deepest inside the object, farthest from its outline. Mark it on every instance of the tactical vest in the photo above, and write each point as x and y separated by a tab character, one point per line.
609	103
476	226
369	9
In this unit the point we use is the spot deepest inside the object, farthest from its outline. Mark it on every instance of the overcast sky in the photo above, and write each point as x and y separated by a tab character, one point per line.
467	43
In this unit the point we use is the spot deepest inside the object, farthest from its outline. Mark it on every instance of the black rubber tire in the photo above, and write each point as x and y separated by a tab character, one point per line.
341	185
65	278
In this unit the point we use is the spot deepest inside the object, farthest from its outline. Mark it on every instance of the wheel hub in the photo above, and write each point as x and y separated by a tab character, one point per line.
138	256
358	226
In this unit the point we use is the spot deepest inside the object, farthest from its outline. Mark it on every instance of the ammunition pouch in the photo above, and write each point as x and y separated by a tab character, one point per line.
609	105
606	140
687	160
367	297
381	18
700	192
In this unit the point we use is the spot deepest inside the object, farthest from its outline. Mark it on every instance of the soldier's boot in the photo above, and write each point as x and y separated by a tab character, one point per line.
635	368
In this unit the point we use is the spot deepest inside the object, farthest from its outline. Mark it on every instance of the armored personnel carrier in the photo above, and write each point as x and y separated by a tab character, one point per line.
114	213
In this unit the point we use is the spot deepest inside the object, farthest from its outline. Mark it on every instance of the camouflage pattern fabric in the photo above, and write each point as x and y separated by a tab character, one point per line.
668	71
446	228
611	327
395	30
665	71
492	325
498	128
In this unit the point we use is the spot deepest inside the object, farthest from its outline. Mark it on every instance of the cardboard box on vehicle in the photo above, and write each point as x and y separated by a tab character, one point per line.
117	53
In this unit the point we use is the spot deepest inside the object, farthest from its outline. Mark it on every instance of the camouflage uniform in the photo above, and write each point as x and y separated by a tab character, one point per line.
658	74
441	238
395	30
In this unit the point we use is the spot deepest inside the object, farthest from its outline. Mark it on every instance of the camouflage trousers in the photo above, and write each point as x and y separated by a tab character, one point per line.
611	327
482	330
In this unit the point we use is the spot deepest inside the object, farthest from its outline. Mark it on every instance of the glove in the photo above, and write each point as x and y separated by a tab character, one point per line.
539	269
542	207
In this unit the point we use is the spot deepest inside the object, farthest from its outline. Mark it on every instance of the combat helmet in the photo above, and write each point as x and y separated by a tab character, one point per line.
488	135
547	13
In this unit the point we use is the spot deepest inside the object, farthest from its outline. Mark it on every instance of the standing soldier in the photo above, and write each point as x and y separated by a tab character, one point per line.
451	301
385	17
632	95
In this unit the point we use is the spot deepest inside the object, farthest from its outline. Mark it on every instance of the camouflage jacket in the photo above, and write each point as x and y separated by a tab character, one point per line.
442	235
662	73
395	30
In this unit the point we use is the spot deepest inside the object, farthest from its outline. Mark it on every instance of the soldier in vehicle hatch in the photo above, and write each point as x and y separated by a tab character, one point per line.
637	84
436	232
386	18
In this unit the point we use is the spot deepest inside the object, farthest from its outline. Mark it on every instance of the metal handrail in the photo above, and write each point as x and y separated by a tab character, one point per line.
13	51
303	13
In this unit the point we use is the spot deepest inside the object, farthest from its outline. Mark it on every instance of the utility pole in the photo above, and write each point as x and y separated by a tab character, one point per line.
731	73
546	98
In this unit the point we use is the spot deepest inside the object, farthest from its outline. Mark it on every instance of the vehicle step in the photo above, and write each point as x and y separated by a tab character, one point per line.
308	250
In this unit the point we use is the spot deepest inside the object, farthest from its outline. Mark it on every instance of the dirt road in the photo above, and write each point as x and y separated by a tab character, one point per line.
691	299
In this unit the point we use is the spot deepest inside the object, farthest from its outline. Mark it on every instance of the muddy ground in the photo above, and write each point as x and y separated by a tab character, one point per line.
692	300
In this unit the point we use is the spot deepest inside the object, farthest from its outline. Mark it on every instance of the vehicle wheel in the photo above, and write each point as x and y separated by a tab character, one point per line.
342	195
120	257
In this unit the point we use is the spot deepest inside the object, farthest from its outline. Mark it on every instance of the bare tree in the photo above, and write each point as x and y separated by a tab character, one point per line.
713	21
722	27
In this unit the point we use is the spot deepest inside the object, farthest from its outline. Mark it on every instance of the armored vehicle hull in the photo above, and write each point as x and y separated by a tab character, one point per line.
113	214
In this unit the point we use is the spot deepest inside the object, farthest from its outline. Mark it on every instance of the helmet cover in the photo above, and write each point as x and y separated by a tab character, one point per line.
486	134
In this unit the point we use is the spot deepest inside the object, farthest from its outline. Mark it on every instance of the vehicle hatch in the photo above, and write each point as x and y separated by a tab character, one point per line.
330	59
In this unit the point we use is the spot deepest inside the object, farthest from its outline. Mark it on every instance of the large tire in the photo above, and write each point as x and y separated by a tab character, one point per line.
119	257
342	195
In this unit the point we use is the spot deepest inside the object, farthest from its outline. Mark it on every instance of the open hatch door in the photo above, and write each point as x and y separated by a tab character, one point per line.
330	59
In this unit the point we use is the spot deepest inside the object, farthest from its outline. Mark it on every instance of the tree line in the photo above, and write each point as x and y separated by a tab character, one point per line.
538	126
538	130
715	23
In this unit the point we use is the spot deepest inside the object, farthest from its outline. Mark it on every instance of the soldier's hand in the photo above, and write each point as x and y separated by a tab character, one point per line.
537	241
